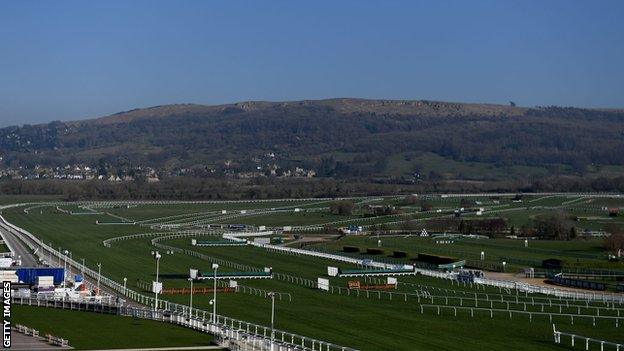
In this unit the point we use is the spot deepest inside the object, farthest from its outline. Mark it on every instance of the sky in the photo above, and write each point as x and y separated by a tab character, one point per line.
65	60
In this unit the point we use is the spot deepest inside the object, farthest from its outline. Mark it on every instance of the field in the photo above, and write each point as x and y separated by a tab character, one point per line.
379	320
88	330
579	253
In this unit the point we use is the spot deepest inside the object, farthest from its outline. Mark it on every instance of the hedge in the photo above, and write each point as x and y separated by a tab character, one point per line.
374	251
399	254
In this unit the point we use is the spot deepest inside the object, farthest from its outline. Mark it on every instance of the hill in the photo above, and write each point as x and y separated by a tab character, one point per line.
378	140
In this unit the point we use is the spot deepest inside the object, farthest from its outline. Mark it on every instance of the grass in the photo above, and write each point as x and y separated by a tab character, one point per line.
586	253
89	330
152	211
11	199
300	218
372	324
364	323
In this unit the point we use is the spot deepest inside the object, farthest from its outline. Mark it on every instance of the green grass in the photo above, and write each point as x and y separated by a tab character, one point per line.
300	218
153	211
89	330
372	324
12	199
367	324
579	253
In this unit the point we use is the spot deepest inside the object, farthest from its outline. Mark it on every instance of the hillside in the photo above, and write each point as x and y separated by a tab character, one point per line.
393	140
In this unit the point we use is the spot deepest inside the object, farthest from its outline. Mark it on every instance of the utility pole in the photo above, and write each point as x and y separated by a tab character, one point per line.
214	298
157	256
99	275
272	295
191	300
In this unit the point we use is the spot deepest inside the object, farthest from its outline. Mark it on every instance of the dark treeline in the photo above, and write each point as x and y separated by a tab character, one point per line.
182	188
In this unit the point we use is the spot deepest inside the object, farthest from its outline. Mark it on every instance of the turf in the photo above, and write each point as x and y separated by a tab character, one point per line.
89	330
371	323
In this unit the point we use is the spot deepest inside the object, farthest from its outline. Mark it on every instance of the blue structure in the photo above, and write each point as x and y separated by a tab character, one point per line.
29	275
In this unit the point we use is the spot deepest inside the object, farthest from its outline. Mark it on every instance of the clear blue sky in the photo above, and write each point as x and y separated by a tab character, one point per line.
62	60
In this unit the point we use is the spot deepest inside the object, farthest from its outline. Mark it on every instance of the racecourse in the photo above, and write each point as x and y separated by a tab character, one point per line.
422	313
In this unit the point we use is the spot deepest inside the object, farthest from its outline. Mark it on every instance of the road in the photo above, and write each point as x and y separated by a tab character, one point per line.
29	260
23	342
18	247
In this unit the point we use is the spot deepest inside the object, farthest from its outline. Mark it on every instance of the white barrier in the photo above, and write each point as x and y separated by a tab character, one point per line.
224	327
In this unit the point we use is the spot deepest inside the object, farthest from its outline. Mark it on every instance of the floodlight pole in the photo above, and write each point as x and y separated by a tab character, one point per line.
64	268
157	256
191	300
272	295
214	291
99	275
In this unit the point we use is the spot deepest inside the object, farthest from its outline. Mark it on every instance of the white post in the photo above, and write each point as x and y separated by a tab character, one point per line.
156	293
157	256
272	294
99	274
124	288
214	298
191	300
64	268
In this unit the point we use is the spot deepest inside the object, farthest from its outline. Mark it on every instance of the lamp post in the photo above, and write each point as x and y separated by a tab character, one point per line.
504	264
157	256
272	296
99	274
124	289
191	299
65	267
214	296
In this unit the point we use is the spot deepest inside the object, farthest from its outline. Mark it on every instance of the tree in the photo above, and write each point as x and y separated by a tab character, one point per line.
426	206
614	243
341	207
555	226
613	228
462	227
409	200
573	233
467	203
408	225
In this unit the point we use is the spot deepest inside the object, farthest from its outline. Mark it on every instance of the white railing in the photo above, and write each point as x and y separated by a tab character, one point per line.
587	342
510	312
535	289
226	327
